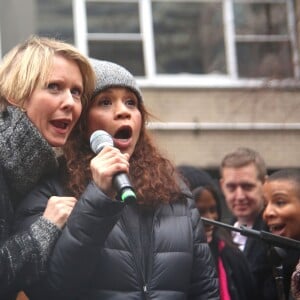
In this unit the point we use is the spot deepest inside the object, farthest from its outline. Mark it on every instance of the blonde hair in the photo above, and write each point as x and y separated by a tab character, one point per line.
28	65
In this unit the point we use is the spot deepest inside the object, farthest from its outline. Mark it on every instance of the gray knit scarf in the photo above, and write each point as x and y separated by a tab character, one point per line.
24	154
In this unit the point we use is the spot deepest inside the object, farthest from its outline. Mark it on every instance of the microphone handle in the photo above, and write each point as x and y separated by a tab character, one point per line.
122	184
267	237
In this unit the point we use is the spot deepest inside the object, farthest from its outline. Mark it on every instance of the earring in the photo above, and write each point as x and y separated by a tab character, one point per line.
23	109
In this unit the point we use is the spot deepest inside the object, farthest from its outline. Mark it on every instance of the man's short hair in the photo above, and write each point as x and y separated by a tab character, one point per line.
242	157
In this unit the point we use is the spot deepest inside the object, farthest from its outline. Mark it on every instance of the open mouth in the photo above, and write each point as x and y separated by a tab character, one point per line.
276	228
123	133
60	124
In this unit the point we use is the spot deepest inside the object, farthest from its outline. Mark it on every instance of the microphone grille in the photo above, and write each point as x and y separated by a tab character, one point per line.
99	139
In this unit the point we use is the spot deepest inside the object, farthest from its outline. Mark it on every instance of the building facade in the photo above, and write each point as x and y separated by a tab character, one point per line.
216	74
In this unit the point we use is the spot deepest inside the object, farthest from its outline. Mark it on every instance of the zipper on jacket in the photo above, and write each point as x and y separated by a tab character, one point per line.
145	290
139	269
150	261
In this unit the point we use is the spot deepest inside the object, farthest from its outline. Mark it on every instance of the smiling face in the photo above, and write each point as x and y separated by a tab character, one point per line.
243	192
282	212
115	110
54	109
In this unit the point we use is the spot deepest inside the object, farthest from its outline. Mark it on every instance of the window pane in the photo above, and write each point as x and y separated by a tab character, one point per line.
127	54
270	60
262	18
189	37
55	19
112	17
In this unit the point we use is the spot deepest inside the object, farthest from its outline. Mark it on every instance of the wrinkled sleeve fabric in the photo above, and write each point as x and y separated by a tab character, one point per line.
23	256
74	256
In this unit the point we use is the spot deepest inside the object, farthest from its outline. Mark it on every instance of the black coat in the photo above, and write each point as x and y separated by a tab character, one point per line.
100	254
257	255
240	282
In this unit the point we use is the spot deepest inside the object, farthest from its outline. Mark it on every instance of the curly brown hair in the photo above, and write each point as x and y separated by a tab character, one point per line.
153	176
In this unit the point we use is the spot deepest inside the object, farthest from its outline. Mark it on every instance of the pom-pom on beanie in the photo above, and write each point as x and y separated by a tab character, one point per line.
109	74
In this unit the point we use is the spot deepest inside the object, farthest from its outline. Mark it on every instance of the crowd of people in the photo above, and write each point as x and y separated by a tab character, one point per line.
65	230
257	201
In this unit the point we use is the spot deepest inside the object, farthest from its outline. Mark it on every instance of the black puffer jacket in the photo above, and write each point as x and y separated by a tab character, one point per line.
25	157
102	250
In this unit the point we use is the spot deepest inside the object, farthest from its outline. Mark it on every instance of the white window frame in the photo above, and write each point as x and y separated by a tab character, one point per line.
146	36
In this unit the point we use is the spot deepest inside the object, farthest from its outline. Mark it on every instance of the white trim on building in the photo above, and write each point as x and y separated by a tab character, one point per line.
146	36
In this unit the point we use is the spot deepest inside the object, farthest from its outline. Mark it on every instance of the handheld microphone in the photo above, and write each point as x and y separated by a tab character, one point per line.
98	140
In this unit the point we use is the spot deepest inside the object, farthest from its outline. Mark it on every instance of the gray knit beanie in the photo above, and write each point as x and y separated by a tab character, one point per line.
109	74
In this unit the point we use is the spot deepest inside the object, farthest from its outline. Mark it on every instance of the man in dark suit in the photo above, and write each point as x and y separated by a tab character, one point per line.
243	173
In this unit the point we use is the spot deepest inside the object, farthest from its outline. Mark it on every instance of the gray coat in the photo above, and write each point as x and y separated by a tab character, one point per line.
25	157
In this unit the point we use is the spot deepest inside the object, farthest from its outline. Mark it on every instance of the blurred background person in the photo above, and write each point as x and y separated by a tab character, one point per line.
235	278
242	175
194	176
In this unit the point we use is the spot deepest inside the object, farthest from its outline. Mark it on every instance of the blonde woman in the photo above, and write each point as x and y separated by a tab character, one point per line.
44	85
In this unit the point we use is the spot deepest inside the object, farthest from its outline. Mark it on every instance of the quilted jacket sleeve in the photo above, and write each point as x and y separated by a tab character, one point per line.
91	221
73	256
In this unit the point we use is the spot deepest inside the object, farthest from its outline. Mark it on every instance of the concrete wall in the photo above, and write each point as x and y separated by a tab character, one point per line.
205	148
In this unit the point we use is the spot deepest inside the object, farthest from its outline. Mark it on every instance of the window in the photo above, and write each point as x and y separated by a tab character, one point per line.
119	37
55	19
226	42
189	38
262	34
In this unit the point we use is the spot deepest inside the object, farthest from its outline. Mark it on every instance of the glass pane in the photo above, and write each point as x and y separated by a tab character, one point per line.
260	18
113	17
127	54
272	60
55	19
189	37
